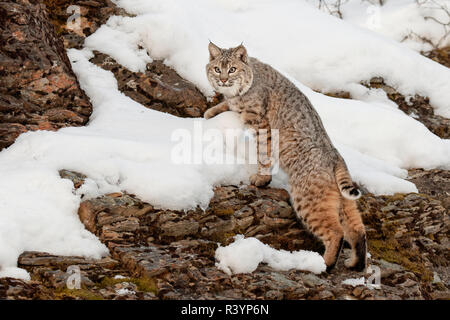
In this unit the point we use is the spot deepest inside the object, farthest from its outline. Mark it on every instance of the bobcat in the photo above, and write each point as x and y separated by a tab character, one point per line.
322	190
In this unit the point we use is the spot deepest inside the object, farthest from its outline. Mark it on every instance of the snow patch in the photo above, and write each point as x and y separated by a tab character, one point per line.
360	282
245	254
124	291
13	272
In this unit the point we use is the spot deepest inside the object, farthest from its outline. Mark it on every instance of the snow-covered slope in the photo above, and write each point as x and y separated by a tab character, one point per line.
129	147
125	147
319	50
421	25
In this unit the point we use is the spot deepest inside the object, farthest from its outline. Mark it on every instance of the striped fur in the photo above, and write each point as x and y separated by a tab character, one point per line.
322	191
345	183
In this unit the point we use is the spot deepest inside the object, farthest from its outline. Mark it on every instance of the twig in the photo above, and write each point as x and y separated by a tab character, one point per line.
434	5
332	8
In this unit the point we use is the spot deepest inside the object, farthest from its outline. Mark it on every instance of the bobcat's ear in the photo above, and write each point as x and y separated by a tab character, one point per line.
241	53
214	51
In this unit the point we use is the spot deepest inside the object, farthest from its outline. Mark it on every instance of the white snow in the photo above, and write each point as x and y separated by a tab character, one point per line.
121	41
125	147
355	281
38	212
128	147
13	272
319	50
245	254
124	291
406	21
360	282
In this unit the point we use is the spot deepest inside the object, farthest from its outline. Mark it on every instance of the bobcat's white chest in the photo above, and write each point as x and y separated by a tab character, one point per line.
234	90
229	92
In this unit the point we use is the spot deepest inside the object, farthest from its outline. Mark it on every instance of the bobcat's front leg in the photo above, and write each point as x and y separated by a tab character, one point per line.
264	140
214	111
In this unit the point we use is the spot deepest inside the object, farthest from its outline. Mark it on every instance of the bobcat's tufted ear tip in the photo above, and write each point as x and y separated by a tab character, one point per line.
214	51
241	52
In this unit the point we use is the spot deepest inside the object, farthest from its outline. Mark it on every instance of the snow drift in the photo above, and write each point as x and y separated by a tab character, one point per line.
245	254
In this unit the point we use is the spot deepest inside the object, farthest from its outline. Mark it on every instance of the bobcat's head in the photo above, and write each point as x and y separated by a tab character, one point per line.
228	70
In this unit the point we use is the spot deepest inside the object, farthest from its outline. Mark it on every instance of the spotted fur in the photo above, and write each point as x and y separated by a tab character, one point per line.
322	190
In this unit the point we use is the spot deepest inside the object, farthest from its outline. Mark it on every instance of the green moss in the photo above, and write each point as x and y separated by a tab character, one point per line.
382	242
223	238
395	197
143	284
391	251
83	294
223	211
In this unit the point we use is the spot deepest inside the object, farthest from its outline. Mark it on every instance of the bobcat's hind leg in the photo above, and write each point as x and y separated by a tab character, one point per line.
354	234
319	210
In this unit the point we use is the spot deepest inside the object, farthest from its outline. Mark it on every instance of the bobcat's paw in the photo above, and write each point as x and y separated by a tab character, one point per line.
350	262
210	113
355	264
260	180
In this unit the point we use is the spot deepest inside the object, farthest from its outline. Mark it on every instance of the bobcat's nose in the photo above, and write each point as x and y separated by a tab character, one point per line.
224	80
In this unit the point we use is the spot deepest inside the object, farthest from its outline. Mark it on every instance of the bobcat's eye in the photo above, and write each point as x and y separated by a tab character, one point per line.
217	70
232	69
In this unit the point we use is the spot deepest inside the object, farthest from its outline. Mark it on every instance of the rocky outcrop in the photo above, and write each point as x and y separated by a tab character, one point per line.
440	55
159	88
38	89
92	14
417	107
14	289
165	254
434	183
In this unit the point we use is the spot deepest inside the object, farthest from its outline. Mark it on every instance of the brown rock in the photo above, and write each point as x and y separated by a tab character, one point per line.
276	223
220	228
179	229
159	88
38	89
14	289
245	222
149	261
39	259
93	14
406	237
417	107
86	213
440	55
435	183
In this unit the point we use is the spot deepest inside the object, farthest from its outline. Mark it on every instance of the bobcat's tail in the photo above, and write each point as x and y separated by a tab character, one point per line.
345	184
